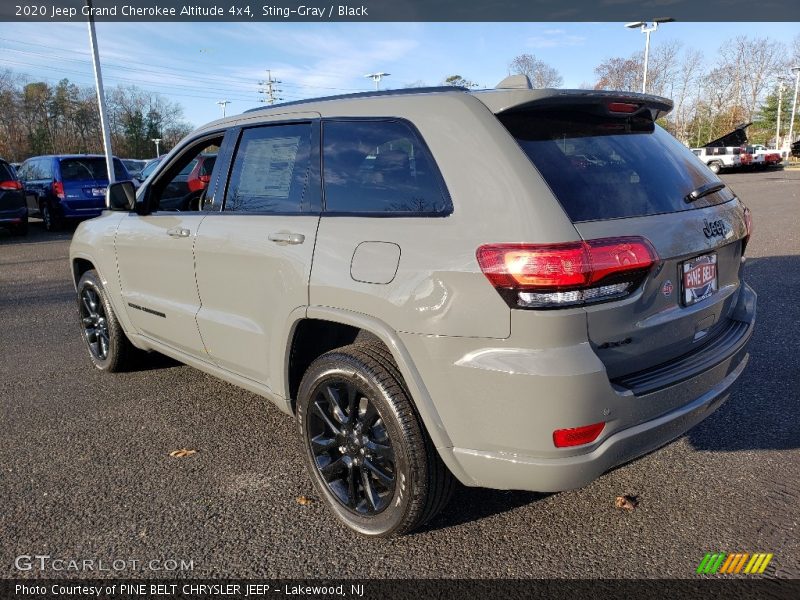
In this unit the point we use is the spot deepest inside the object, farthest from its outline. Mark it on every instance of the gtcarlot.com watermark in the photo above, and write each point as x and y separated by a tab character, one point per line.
47	563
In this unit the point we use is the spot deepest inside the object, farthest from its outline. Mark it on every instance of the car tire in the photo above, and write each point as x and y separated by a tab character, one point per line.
364	444
21	228
109	348
52	221
715	167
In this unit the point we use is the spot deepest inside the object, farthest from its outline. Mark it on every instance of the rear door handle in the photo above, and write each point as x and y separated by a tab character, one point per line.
284	237
179	232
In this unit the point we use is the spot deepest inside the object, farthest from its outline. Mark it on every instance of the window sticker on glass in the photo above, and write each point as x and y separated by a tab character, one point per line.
268	167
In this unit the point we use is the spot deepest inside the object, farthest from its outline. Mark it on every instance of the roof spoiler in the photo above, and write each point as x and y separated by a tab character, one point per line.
603	102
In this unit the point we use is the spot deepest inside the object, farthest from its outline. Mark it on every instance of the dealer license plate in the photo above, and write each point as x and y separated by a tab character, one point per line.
699	279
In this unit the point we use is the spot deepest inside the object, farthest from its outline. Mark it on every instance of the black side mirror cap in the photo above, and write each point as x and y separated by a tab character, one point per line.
121	195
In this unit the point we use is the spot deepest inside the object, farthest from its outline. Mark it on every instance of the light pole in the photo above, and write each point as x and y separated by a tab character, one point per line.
376	77
796	71
647	29
781	85
101	97
156	141
222	104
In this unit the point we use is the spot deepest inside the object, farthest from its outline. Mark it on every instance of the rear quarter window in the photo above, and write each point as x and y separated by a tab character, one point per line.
608	168
379	167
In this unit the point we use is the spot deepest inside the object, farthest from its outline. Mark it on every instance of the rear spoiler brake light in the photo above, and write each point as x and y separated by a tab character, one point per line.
602	102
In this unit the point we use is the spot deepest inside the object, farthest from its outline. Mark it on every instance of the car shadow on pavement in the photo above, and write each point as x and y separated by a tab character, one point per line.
152	361
474	504
761	413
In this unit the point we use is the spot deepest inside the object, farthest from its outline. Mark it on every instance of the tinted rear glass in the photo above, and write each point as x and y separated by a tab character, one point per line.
6	172
379	167
83	169
609	168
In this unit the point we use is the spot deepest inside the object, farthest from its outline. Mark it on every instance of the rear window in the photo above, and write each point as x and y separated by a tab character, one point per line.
83	169
6	172
601	168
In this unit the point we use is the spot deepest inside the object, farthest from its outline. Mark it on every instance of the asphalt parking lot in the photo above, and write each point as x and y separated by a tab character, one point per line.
85	471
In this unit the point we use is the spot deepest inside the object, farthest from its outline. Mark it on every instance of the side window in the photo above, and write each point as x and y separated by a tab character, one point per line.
24	171
33	169
182	187
379	167
45	168
270	171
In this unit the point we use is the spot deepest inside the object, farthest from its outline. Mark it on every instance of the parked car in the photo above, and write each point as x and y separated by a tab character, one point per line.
718	158
435	289
13	211
200	174
148	168
764	157
134	166
67	186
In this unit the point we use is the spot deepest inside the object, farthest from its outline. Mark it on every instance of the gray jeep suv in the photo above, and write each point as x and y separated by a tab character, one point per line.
512	288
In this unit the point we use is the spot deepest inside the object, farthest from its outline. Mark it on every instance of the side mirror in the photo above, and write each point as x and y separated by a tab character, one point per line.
121	195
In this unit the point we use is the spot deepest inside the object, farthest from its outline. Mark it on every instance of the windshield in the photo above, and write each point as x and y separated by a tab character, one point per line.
608	168
82	169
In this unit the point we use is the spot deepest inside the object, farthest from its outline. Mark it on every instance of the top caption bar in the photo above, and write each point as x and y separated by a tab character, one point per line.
399	10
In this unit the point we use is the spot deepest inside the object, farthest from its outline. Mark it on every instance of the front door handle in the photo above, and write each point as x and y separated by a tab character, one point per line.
179	232
284	237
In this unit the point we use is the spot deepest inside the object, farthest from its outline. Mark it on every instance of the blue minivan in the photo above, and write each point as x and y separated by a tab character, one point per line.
67	186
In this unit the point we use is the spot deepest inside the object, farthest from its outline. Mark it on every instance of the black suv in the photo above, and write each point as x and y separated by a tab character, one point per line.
13	211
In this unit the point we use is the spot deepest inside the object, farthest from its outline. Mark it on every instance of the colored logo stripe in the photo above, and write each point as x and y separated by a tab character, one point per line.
723	563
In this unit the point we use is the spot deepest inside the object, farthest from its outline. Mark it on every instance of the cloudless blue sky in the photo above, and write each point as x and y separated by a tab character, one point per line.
197	64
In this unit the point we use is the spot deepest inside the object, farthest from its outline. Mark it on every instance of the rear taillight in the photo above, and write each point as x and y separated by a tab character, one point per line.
10	185
556	275
564	438
58	189
748	226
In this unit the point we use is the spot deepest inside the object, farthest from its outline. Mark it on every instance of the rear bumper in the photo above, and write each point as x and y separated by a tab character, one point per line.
70	212
500	405
506	471
13	215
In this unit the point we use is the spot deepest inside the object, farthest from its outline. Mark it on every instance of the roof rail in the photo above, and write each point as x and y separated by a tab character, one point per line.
400	92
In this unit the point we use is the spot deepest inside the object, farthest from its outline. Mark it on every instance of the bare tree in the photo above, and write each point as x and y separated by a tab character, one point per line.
619	74
762	60
687	88
663	69
539	72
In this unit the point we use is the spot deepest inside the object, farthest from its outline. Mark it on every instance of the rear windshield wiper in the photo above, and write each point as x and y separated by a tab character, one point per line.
704	190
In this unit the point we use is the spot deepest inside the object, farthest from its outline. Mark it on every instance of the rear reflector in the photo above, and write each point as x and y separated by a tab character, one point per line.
553	275
10	185
564	438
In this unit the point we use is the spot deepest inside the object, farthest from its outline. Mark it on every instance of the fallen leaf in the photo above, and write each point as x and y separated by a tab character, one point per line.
304	500
182	453
626	502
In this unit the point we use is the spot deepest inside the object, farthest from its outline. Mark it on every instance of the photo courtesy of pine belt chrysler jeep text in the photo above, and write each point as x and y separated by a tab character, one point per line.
511	288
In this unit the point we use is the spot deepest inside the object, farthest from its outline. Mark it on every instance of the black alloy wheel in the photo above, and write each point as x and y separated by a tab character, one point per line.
351	447
109	347
95	325
365	445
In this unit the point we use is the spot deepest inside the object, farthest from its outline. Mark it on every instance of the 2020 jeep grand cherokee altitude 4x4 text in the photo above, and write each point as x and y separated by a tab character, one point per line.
438	284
